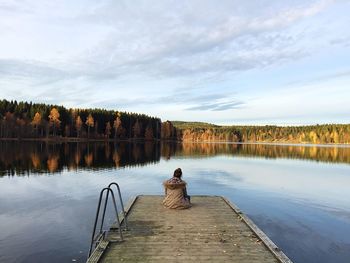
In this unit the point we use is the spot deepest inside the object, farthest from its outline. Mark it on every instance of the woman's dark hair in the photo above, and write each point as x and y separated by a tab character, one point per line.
178	173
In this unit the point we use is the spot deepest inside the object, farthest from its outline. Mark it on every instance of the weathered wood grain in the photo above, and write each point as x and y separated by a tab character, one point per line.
213	230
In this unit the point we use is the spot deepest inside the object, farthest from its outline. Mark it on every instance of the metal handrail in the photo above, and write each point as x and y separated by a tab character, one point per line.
93	239
121	204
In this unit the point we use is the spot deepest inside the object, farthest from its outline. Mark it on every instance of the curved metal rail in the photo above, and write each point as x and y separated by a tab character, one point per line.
101	235
124	220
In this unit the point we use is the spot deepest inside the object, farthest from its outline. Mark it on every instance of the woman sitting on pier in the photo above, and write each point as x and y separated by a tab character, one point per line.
175	192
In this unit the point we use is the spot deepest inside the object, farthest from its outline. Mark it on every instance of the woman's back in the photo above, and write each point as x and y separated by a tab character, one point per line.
175	191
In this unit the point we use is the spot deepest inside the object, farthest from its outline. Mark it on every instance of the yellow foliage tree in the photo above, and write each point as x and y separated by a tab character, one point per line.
335	137
313	136
54	119
36	121
90	123
117	125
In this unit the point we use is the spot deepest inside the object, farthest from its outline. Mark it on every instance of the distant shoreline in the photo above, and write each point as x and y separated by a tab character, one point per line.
274	143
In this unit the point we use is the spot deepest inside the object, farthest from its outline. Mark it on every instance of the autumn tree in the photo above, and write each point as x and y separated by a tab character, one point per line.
54	119
168	131
36	122
90	123
78	125
313	137
117	125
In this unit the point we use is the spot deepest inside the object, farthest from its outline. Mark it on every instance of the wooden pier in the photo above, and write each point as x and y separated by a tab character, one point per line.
213	230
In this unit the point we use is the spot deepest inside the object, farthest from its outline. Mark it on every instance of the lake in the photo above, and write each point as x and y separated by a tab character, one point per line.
297	194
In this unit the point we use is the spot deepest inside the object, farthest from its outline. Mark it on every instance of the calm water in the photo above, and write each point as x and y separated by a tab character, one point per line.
298	195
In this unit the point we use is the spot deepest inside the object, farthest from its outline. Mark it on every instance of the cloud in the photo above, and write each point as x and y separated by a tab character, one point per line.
182	41
174	43
169	57
187	97
23	69
218	106
343	41
210	102
322	78
180	100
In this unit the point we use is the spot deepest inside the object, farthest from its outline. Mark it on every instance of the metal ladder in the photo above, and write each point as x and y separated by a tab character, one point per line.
102	233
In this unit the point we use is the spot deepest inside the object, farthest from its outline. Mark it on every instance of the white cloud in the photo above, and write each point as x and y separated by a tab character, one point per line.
138	55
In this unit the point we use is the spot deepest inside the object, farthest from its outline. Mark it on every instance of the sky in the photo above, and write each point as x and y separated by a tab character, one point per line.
224	62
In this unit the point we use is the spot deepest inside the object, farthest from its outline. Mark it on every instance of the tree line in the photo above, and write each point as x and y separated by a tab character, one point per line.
38	120
202	132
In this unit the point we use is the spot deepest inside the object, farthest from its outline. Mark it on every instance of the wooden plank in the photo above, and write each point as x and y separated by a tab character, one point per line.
213	230
267	241
98	252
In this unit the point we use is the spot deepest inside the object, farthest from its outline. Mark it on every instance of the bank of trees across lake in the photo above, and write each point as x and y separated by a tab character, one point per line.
37	120
203	132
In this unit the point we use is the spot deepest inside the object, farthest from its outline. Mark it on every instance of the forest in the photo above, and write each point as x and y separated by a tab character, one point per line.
27	120
316	134
23	120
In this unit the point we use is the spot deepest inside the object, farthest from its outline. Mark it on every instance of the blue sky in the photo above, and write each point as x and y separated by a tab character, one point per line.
226	62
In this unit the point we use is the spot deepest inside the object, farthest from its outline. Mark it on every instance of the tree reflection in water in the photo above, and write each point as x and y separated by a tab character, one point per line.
41	157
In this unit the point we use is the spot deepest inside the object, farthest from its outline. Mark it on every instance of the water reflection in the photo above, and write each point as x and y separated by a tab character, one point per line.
336	154
285	198
40	157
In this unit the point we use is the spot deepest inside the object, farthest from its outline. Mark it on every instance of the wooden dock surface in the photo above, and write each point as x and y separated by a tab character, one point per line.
213	230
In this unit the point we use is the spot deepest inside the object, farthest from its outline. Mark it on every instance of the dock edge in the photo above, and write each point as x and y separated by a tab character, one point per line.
276	251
